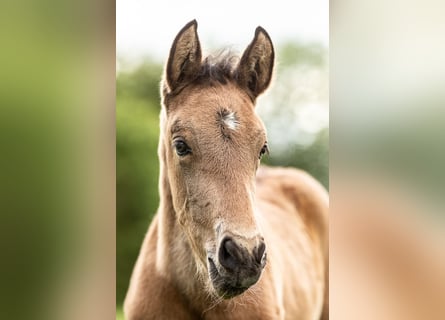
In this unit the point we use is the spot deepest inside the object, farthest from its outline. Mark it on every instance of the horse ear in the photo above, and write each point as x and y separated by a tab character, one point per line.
256	65
185	56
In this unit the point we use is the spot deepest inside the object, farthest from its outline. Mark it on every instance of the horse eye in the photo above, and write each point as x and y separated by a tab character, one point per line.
264	149
182	149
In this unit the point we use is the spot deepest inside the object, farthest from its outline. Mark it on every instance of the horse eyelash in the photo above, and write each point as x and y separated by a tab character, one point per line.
266	151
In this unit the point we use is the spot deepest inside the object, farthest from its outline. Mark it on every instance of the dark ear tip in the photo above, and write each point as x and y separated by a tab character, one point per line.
192	23
259	30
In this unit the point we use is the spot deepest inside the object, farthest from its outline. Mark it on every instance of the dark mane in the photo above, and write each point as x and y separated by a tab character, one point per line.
215	68
218	68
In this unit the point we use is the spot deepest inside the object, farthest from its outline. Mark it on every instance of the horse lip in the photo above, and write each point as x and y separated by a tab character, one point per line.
213	271
225	290
232	292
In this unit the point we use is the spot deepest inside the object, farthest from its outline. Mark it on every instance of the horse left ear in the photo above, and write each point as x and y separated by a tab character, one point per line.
255	68
184	60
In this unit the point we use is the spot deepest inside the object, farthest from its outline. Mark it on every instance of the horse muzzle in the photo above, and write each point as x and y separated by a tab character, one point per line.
236	268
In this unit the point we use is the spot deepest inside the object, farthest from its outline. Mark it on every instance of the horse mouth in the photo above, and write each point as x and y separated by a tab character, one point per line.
224	286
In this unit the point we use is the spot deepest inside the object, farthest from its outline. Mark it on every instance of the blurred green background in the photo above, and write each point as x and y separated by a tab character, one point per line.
295	112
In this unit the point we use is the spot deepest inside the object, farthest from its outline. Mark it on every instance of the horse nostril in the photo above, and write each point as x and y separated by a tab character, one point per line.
260	252
229	254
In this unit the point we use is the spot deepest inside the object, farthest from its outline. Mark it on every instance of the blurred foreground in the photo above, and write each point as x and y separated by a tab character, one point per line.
57	160
387	258
387	243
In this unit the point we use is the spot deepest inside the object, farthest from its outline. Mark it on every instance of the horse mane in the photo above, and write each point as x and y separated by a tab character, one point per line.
218	68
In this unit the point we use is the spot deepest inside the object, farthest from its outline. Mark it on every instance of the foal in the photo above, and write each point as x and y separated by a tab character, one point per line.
231	239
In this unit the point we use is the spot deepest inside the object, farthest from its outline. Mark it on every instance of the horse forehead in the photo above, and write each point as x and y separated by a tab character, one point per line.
214	106
222	122
209	98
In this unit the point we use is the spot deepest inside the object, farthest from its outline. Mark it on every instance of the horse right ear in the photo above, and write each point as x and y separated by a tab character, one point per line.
255	68
184	60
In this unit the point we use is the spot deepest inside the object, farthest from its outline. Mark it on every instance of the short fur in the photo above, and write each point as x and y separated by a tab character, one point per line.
217	191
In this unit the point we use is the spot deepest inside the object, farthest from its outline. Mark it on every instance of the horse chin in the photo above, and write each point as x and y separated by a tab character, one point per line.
224	287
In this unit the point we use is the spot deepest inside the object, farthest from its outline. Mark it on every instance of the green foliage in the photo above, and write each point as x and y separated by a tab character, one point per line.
137	167
313	158
119	314
298	96
142	83
292	54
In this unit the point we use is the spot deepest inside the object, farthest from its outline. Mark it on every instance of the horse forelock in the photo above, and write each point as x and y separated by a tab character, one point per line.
219	68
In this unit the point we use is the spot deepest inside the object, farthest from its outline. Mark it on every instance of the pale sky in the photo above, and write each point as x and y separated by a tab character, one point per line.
147	28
